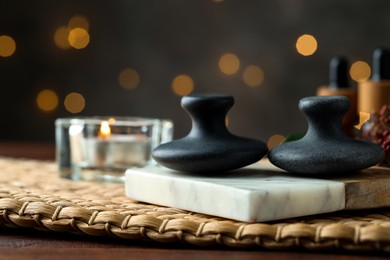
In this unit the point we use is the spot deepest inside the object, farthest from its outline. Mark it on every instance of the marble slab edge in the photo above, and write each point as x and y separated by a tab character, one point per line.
368	188
260	192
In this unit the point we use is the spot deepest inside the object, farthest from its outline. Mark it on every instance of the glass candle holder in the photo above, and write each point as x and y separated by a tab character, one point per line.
63	147
101	149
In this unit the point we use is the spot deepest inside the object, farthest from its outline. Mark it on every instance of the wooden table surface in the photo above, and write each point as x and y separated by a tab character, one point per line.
31	244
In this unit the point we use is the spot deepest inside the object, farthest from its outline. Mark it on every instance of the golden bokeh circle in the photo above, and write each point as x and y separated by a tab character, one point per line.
78	38
229	64
74	102
275	140
47	100
7	46
78	21
253	76
61	37
360	71
129	78
306	45
182	85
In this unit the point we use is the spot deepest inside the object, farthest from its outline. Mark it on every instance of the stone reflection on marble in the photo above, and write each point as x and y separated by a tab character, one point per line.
248	194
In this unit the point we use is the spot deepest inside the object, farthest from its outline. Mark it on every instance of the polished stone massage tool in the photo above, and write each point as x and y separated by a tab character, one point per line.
209	147
325	149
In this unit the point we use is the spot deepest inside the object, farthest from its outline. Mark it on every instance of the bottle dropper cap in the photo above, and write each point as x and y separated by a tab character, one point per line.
338	73
381	65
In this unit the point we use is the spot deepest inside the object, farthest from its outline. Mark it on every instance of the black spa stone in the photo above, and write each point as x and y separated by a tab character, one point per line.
209	147
325	149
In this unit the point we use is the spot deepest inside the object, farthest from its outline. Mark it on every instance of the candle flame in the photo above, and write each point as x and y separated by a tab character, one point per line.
105	130
111	120
363	117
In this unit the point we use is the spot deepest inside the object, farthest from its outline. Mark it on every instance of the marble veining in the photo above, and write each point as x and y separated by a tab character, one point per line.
250	194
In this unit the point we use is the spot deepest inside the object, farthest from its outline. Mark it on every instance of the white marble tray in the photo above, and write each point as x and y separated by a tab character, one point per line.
260	192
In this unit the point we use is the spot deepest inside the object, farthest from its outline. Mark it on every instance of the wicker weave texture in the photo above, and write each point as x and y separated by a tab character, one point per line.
32	196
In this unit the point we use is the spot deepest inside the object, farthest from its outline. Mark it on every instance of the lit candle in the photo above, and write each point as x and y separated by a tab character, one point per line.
117	150
102	149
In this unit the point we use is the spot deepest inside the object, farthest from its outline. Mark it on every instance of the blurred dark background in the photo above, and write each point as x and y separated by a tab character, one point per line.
78	58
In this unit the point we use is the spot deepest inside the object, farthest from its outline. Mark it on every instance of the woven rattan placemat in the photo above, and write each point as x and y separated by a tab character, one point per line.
33	196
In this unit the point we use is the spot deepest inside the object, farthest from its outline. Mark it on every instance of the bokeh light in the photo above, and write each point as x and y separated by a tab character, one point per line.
275	140
360	71
74	35
78	38
61	38
7	46
47	100
74	102
182	85
129	78
229	64
111	120
78	21
253	76
306	45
